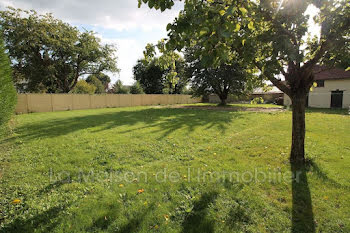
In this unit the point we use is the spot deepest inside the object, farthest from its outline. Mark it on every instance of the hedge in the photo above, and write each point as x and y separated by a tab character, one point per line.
8	96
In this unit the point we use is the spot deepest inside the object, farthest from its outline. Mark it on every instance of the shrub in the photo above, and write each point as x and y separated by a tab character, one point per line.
257	100
136	88
92	80
119	88
8	96
83	87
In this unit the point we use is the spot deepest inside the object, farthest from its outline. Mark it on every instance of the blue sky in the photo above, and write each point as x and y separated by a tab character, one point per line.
118	22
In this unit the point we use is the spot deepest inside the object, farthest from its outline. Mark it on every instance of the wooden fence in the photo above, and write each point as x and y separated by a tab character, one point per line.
28	103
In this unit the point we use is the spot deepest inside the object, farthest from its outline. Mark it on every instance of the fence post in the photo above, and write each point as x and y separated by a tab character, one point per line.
51	102
106	102
27	104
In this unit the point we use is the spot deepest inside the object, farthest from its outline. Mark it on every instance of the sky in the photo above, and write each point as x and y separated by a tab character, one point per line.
118	22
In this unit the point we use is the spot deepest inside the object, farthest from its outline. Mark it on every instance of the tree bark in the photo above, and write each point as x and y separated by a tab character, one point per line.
298	131
223	101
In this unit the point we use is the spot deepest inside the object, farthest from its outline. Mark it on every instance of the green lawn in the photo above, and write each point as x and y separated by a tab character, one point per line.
103	171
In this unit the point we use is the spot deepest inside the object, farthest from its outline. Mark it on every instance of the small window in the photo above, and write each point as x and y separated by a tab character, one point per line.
320	83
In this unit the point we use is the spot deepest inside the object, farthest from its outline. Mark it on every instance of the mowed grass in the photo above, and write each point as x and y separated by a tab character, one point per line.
159	169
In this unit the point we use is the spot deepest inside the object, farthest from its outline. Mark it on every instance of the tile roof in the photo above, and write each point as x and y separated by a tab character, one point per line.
324	73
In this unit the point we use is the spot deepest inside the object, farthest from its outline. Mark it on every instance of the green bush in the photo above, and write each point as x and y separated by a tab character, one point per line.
258	100
92	80
84	87
8	96
136	88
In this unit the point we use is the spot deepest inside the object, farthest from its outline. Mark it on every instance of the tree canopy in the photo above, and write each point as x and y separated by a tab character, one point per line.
49	55
136	88
170	62
84	87
235	78
93	80
119	88
104	78
157	78
150	76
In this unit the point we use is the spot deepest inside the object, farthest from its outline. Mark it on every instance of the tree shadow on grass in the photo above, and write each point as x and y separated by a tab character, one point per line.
53	185
45	221
324	176
196	221
336	111
104	222
134	223
302	213
166	121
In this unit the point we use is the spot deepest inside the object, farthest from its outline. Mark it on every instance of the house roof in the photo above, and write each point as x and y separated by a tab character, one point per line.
324	73
260	91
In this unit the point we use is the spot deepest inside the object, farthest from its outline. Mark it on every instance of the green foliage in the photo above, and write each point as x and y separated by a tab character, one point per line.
136	88
171	63
157	78
119	88
257	100
147	140
8	96
227	79
93	80
150	76
49	55
84	87
105	80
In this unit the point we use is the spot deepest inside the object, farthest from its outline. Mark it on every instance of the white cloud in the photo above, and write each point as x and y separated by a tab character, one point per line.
113	14
128	51
128	26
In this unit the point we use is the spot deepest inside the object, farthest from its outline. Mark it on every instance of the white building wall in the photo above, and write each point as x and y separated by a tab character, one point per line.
320	97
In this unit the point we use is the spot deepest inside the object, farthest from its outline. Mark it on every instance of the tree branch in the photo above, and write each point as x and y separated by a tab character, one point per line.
280	27
325	44
280	85
277	82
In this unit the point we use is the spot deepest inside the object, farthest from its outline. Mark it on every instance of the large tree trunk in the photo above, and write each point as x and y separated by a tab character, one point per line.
223	101
298	132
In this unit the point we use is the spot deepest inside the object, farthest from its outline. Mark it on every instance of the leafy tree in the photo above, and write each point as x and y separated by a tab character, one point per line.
188	91
93	80
223	80
84	87
340	60
269	33
161	74
171	63
136	88
105	80
180	84
150	76
8	97
119	88
50	55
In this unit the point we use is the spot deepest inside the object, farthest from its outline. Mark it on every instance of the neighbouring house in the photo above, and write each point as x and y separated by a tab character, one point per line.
332	90
272	95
